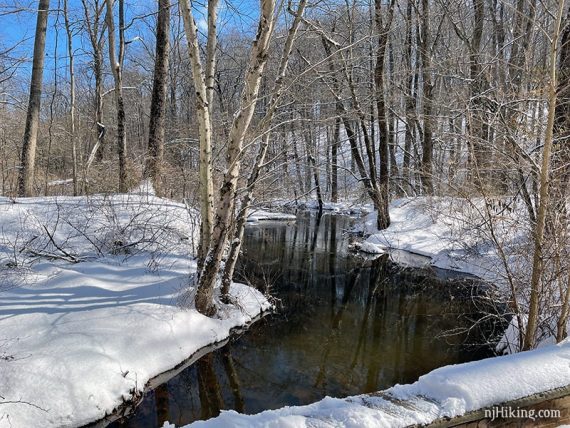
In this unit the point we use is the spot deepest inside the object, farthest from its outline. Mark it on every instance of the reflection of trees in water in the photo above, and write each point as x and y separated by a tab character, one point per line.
347	326
239	403
161	400
210	390
211	401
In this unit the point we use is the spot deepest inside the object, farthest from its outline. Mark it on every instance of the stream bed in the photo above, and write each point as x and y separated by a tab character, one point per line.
345	325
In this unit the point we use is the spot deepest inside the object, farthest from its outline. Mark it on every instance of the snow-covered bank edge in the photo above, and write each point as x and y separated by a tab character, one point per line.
456	391
344	207
259	215
129	406
449	232
95	301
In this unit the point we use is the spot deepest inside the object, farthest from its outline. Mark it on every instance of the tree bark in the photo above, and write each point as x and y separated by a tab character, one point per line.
544	191
205	131
117	68
155	150
427	146
28	160
239	127
383	220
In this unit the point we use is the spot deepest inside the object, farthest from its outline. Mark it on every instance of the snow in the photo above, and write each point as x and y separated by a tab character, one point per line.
445	392
491	239
452	233
60	182
342	207
263	215
77	339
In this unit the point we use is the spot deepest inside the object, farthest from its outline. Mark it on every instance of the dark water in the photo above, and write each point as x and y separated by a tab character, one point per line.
345	326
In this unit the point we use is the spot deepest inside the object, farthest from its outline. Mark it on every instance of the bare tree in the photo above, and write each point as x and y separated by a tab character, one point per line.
72	132
26	177
427	101
238	130
276	93
544	191
117	68
383	24
561	165
156	131
204	112
96	33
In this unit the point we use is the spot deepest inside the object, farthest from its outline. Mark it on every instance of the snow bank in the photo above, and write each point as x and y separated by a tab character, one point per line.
490	239
76	339
454	234
445	392
343	207
262	215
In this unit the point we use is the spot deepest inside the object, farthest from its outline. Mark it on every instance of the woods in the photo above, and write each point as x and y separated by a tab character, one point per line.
345	101
385	183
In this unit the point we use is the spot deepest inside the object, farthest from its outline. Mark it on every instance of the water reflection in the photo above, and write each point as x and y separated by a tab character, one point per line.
346	326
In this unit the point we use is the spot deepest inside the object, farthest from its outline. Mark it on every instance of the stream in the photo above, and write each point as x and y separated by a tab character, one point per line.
345	325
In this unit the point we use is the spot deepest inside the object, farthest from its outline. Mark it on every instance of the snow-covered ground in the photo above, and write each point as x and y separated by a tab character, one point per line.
342	207
257	215
443	393
94	303
454	234
491	239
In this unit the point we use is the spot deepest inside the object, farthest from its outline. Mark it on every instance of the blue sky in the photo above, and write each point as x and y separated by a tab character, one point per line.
19	28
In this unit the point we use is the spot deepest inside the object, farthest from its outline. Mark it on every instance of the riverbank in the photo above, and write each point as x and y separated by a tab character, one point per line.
454	233
95	301
445	393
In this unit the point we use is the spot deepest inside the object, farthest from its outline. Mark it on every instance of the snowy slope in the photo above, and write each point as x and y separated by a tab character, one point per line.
454	233
76	339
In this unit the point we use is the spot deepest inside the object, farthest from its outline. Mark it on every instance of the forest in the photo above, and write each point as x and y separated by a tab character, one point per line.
192	169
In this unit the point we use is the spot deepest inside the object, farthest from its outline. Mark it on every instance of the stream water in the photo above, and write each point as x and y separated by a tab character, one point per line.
345	326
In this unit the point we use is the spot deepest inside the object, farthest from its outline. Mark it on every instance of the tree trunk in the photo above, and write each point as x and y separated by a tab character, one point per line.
479	129
117	67
155	148
26	175
205	132
96	33
96	37
427	149
383	220
276	93
370	183
409	100
71	98
561	162
240	125
334	159
561	149
538	262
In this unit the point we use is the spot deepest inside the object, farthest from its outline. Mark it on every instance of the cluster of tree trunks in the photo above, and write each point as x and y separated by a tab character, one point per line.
497	97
